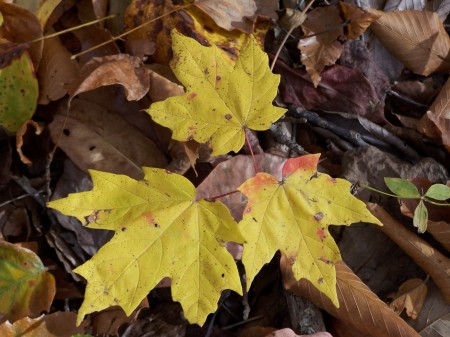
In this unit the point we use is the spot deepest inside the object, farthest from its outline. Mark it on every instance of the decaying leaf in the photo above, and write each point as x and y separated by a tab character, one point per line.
417	39
293	215
160	231
410	296
222	99
359	305
26	288
324	48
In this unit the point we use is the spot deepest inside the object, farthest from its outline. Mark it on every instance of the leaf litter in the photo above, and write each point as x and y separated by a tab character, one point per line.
117	136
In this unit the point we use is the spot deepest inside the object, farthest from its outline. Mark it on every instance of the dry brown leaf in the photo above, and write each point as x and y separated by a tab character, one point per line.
93	138
55	70
440	230
410	296
359	19
429	259
324	48
417	39
162	87
439	114
57	324
240	15
123	69
358	304
290	333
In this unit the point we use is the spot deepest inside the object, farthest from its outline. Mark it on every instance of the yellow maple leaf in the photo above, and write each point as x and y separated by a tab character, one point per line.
293	215
160	231
222	98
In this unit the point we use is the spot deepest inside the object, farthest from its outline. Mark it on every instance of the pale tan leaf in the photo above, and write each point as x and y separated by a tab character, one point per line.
439	114
325	48
441	7
403	5
240	15
359	19
429	259
417	39
410	296
359	306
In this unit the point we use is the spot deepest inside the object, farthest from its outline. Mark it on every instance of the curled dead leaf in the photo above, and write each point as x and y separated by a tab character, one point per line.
410	296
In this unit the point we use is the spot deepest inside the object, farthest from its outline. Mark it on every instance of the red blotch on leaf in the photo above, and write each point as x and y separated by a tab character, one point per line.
307	162
321	233
149	218
191	96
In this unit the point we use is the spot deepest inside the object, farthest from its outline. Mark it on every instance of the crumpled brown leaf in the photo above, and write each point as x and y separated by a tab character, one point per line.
359	19
324	48
122	69
410	296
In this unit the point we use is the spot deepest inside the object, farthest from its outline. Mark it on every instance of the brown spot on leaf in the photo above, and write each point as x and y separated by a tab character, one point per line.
320	280
228	116
218	78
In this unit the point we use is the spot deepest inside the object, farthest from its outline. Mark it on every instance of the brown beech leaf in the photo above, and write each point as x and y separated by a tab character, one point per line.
94	138
123	69
359	306
341	89
55	70
57	324
324	48
410	296
417	39
439	114
240	15
429	259
38	128
440	230
359	19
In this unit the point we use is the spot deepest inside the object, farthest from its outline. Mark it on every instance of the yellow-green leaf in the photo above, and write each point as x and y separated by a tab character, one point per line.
403	188
26	288
438	192
420	219
293	215
222	98
18	92
161	231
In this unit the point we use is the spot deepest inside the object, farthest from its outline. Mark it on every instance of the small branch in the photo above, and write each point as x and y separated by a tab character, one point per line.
284	139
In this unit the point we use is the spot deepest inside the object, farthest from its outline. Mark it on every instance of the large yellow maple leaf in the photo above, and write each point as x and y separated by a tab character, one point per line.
222	98
293	216
160	231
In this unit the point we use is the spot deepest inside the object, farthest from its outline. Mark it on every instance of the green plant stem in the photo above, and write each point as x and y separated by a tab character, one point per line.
401	197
